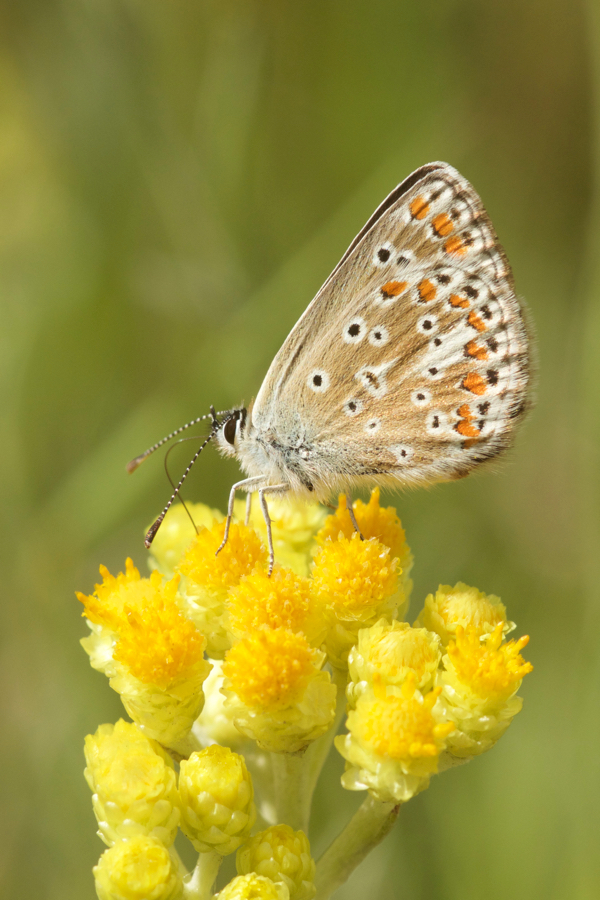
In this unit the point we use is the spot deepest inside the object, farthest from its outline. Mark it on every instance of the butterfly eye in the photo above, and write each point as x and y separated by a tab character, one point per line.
229	430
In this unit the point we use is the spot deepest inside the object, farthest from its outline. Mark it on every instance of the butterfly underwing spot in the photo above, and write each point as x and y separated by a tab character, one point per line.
379	336
474	383
442	225
434	373
354	331
458	302
484	408
492	344
476	322
465	426
373	378
318	381
437	342
390	291
421	398
427	324
402	452
383	255
372	426
405	258
427	291
419	208
353	406
492	377
455	246
476	351
436	423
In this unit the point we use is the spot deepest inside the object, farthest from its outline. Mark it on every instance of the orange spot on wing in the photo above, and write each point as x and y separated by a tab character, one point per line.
427	290
442	224
419	208
457	301
394	288
474	383
476	321
455	246
465	426
476	350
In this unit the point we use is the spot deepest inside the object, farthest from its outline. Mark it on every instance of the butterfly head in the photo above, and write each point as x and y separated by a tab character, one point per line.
230	432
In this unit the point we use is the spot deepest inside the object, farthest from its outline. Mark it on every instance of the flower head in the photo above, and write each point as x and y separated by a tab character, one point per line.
374	521
283	855
394	742
207	578
133	784
152	653
137	869
356	583
283	600
479	682
461	605
277	691
388	652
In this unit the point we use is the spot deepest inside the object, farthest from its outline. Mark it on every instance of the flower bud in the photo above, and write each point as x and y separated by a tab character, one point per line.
283	855
254	887
217	802
133	783
137	869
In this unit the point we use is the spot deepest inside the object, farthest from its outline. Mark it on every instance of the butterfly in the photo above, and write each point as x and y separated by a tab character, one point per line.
410	366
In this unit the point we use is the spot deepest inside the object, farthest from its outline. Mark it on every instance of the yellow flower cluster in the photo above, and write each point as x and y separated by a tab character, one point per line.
228	671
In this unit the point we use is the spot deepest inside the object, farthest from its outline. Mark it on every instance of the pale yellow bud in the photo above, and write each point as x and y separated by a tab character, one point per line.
217	800
283	855
254	887
137	869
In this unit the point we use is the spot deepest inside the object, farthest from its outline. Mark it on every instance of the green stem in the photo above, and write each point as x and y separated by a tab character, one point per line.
199	885
291	778
369	825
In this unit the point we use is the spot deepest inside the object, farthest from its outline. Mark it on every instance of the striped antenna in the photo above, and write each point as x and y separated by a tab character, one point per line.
216	426
132	466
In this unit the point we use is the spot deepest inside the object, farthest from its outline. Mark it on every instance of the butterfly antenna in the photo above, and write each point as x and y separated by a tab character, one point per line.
132	466
172	483
151	534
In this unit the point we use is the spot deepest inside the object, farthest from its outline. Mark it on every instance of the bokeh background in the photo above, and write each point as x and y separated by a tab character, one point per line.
177	178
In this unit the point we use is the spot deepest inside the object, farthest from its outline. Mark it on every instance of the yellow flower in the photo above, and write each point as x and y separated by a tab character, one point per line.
207	578
176	534
137	869
277	693
394	742
294	524
389	651
356	583
479	683
374	521
151	652
217	800
133	784
283	855
462	605
254	887
283	600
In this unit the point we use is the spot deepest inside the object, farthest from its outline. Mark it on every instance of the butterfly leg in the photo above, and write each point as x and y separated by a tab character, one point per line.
248	508
350	509
239	485
275	488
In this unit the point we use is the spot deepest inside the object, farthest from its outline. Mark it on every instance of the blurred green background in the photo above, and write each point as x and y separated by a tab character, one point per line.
177	178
